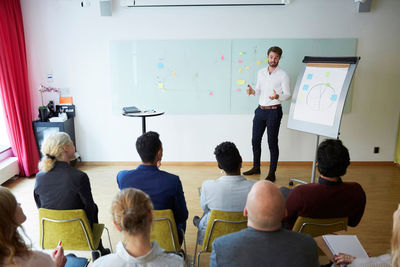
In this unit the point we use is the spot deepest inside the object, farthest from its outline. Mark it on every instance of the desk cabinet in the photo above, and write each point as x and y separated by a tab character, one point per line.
44	129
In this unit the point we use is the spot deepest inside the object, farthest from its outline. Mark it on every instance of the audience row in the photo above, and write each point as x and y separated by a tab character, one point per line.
271	212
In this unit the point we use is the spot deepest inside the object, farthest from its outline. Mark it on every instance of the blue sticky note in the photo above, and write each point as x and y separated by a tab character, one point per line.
160	65
309	76
305	87
334	97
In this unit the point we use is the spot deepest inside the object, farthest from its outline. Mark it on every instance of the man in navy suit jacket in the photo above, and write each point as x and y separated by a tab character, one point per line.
264	242
165	189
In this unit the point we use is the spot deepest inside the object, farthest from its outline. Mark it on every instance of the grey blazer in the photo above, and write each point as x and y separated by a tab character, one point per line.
251	247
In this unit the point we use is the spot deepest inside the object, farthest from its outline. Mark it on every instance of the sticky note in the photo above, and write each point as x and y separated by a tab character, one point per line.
240	53
238	90
309	76
305	87
240	61
334	97
328	84
160	85
211	93
258	62
266	60
196	75
240	70
163	90
173	73
247	67
222	57
327	74
241	82
301	95
160	65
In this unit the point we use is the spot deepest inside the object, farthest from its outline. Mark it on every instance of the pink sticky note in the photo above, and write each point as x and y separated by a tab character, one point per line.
222	57
238	90
240	61
211	93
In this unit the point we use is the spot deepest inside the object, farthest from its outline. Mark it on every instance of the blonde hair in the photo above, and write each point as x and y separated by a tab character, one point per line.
11	242
396	239
131	211
52	148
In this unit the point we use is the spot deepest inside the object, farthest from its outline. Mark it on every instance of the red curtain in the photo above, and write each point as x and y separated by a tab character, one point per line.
14	87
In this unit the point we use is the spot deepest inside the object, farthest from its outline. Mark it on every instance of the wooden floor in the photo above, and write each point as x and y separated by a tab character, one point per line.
381	184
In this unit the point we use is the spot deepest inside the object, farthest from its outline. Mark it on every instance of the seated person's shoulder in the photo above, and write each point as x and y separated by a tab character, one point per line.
171	259
305	239
169	175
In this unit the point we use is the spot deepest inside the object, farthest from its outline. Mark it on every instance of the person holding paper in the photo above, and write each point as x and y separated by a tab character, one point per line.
386	260
273	87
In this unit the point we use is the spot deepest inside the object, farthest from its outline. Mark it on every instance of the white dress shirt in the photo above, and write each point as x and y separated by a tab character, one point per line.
278	80
155	257
228	193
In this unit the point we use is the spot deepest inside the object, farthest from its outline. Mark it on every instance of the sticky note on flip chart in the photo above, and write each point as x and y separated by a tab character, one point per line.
160	85
241	82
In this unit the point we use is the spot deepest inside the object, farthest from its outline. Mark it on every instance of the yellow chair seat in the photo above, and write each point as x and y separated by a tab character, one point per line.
164	230
71	227
220	223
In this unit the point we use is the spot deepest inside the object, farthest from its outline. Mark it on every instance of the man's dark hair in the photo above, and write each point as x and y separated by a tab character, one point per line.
147	145
333	158
228	157
275	49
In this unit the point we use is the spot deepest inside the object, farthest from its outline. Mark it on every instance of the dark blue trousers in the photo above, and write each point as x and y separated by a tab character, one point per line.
270	119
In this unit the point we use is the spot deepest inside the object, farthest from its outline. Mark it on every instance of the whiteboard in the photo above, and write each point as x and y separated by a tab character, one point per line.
204	76
319	96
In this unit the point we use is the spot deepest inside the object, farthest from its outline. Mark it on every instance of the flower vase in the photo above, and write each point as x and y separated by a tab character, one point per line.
43	114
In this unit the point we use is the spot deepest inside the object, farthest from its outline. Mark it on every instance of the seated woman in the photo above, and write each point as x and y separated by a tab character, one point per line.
132	215
385	260
58	185
13	250
229	192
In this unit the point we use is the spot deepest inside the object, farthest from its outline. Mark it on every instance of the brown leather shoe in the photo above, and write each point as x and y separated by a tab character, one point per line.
271	177
254	170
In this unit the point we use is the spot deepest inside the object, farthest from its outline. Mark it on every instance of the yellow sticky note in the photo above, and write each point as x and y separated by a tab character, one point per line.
259	62
241	82
240	53
247	67
163	90
160	85
173	73
240	70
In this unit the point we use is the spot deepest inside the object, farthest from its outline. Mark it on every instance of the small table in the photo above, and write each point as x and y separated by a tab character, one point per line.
143	115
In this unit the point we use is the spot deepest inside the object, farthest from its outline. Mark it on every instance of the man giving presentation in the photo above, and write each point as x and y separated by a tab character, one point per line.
273	87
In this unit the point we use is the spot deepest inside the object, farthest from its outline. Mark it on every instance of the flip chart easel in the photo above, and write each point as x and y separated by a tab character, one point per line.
319	96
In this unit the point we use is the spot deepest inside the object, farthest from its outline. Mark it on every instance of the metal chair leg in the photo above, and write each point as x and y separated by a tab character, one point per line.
109	239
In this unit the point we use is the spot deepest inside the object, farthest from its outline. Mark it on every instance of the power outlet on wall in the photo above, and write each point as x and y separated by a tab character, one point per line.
376	150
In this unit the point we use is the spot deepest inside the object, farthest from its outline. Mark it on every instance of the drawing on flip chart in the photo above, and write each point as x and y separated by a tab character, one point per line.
320	89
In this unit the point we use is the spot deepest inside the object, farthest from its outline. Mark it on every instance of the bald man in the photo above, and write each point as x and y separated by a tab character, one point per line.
264	242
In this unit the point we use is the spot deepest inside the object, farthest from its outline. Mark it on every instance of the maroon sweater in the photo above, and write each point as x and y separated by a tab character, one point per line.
326	199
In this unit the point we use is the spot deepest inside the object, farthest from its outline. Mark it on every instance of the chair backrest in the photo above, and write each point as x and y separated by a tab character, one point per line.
71	227
222	223
318	227
164	230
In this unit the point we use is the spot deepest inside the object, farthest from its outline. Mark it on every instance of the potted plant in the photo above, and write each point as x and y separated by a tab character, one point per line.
43	110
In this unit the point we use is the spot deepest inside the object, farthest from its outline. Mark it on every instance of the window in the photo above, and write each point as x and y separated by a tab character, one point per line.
4	141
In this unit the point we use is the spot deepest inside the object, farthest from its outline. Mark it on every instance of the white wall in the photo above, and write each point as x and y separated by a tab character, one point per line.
73	43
